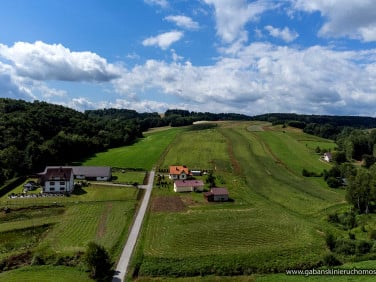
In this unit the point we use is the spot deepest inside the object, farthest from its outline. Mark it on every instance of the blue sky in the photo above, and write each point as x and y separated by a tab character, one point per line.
251	57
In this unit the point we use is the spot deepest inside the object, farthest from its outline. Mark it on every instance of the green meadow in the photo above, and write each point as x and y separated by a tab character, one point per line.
143	154
46	273
275	221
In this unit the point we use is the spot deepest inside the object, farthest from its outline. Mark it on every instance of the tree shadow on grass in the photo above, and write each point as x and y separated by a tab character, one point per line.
79	191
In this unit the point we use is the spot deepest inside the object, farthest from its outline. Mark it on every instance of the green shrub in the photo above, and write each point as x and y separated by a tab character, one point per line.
334	182
372	234
345	247
333	218
331	260
98	261
363	247
351	236
330	241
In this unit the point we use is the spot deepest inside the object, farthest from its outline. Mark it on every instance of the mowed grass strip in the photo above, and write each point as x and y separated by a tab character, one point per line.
143	154
83	223
203	232
45	273
272	178
292	152
199	149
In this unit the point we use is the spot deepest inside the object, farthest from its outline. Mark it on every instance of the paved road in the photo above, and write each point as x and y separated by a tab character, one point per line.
121	268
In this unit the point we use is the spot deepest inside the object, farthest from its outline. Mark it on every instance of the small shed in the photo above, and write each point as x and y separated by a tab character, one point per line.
196	172
217	195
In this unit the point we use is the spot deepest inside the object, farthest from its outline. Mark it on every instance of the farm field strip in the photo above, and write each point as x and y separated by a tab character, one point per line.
80	224
45	274
143	154
254	230
199	149
274	182
21	224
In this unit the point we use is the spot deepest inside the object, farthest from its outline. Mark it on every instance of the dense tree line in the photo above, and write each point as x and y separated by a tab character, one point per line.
320	125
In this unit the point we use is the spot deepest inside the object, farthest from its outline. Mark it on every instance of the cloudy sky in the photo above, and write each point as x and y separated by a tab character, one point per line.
242	56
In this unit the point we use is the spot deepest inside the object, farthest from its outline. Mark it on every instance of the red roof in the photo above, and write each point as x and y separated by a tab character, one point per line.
58	173
189	183
178	169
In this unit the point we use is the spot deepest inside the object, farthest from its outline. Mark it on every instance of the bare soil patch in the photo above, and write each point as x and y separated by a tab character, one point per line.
101	229
168	204
188	201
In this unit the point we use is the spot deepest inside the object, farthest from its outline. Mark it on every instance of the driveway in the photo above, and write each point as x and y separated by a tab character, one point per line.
121	268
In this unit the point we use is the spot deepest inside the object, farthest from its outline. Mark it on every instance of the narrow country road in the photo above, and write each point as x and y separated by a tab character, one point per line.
121	268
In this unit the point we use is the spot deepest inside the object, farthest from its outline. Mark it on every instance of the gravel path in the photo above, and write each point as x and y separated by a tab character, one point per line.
121	268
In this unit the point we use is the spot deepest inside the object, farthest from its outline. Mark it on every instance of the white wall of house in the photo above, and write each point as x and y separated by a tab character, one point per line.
59	186
183	189
181	176
187	188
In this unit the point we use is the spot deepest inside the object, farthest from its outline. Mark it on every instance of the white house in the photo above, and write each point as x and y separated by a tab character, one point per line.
188	185
57	180
328	157
178	172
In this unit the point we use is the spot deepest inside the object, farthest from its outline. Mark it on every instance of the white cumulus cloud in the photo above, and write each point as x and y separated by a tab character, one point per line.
344	18
183	21
161	3
41	61
263	77
285	34
231	17
164	40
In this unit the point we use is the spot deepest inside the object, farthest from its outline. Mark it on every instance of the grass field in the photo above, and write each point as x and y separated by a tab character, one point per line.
45	274
274	222
199	149
144	154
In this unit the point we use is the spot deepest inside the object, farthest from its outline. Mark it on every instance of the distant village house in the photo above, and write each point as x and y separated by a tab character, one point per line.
178	172
328	157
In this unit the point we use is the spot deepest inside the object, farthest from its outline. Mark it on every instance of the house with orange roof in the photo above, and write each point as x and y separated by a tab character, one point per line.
178	172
